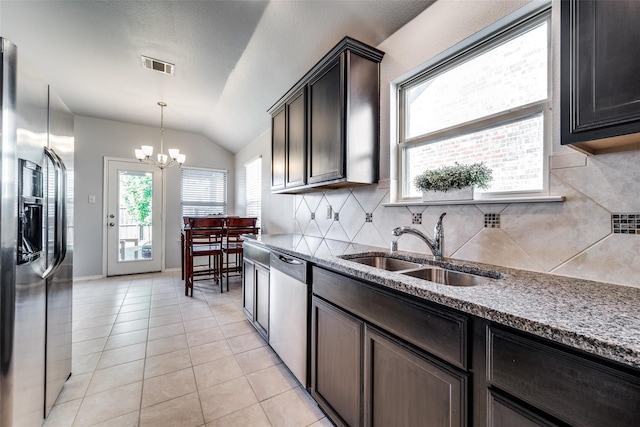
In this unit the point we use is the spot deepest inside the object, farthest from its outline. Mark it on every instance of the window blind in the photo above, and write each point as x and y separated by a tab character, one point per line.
203	192
253	179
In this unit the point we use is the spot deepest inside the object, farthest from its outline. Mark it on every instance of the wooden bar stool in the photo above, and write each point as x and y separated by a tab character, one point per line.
203	238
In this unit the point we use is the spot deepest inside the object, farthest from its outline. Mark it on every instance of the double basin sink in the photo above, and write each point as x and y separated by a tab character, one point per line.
432	273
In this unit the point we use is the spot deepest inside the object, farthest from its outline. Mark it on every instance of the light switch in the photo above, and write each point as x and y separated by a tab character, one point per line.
329	212
92	198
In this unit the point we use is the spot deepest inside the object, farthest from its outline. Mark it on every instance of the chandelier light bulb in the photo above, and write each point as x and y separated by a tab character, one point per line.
173	153
147	150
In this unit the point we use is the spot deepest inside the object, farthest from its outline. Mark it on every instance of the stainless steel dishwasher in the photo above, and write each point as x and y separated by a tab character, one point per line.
289	313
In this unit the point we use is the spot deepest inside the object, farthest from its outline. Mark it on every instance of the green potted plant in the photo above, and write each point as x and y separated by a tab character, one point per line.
453	182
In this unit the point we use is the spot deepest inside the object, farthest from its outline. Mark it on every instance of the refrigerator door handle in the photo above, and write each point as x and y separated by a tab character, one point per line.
62	213
60	245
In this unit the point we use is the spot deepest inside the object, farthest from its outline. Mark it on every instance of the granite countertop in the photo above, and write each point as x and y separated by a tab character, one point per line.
596	317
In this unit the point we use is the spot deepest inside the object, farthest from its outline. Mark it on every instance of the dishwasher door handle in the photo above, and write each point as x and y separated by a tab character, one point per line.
289	265
291	261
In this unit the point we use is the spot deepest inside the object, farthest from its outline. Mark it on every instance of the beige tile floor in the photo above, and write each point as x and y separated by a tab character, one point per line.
146	355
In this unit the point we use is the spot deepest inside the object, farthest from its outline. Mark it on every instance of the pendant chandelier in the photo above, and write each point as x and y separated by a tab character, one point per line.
145	152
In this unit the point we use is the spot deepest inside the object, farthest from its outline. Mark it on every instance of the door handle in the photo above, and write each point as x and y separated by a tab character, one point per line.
60	201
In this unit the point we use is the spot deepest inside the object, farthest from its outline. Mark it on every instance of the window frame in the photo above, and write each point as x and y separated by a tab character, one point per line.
482	42
224	205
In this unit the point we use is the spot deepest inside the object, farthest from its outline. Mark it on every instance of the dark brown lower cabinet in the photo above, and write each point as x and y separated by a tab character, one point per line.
255	287
381	359
576	390
336	363
261	315
403	387
372	362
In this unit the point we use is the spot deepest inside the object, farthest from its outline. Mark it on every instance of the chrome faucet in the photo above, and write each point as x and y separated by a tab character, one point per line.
436	244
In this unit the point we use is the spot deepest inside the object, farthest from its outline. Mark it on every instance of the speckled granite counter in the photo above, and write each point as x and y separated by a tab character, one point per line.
600	318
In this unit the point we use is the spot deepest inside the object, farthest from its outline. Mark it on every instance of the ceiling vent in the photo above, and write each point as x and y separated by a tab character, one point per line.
157	65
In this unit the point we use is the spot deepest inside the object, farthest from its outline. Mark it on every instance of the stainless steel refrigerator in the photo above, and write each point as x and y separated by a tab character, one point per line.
36	243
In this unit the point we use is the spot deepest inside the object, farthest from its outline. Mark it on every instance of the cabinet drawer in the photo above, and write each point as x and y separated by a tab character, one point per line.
439	332
569	387
505	413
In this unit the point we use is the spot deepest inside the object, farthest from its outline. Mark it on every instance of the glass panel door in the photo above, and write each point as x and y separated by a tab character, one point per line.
133	227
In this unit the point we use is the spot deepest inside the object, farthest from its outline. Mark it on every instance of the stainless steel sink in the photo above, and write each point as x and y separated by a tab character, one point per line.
446	277
432	273
386	263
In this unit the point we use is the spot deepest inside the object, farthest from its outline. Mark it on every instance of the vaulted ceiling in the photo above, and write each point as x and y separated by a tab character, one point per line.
233	59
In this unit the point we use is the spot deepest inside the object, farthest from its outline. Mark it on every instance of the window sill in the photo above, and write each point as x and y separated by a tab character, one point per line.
506	200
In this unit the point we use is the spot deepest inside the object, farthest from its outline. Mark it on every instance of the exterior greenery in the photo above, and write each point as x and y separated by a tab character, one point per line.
136	192
457	176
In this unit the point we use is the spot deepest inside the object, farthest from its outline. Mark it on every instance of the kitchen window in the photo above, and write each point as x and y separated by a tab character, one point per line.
203	191
487	102
253	188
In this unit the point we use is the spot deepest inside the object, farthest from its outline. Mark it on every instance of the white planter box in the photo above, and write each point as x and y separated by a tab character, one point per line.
465	193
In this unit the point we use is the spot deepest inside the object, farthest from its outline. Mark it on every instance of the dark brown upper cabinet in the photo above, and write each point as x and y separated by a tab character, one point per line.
289	143
278	149
600	84
325	129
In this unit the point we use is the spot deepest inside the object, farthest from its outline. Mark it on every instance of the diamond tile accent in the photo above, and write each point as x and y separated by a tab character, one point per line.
492	220
351	217
625	223
323	222
368	217
336	198
336	216
416	218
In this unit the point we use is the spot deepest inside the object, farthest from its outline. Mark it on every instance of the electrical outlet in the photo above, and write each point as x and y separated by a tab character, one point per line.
92	198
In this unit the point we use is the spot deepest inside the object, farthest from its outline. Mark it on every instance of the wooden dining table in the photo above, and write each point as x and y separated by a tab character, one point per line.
185	235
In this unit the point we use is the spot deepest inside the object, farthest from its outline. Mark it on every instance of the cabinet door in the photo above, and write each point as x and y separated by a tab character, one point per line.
600	76
261	315
248	287
278	153
336	363
296	140
404	388
326	126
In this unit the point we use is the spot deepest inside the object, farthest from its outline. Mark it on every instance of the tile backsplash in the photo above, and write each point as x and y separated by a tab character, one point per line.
625	223
492	220
585	236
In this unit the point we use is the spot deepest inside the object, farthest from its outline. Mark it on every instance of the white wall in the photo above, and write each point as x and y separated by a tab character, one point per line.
97	138
277	209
